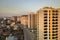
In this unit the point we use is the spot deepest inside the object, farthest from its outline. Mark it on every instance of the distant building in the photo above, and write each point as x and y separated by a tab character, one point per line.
19	19
31	21
24	20
14	18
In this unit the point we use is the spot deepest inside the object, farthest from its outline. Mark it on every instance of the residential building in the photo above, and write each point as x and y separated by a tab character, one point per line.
48	24
24	20
32	24
18	19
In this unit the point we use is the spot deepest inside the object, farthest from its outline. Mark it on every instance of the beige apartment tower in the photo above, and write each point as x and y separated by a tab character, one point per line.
48	23
31	20
32	24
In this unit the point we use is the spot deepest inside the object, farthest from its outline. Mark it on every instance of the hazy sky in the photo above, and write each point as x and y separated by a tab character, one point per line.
19	7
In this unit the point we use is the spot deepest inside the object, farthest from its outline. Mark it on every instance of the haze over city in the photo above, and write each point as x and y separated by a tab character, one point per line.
29	19
20	7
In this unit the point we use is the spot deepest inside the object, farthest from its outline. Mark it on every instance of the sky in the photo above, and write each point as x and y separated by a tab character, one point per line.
22	7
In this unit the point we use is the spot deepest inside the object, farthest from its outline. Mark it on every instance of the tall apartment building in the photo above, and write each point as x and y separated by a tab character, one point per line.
31	21
48	23
31	24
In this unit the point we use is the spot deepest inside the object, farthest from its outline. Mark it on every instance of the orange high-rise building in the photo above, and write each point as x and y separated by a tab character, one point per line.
48	24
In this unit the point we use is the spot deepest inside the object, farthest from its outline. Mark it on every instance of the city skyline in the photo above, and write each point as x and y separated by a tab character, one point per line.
20	7
44	25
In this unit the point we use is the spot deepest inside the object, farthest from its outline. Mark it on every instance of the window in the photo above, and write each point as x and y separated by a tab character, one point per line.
49	19
54	19
45	37
53	37
49	37
54	28
53	34
49	28
45	34
45	19
45	16
45	31
53	11
54	31
56	37
56	34
55	25
45	28
45	11
55	16
56	13
45	25
49	34
45	22
56	10
54	22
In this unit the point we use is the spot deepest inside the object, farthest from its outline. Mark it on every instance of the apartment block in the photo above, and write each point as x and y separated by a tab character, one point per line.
48	23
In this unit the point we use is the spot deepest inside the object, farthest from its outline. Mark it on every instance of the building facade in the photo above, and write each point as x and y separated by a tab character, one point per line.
48	20
24	19
31	23
19	19
31	20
